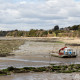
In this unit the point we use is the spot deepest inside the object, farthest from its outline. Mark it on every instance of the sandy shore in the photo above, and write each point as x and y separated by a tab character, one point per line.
70	40
64	39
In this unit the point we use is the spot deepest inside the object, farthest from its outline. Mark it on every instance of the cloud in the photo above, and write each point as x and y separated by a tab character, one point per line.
27	14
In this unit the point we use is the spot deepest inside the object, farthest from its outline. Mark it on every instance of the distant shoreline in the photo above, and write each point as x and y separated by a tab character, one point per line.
63	39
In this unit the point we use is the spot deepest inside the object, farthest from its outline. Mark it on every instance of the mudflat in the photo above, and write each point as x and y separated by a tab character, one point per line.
35	52
42	76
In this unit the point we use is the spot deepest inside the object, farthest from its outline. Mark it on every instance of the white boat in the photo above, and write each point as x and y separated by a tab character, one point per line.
67	52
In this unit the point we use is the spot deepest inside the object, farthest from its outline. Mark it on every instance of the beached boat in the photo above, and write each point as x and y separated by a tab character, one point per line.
67	52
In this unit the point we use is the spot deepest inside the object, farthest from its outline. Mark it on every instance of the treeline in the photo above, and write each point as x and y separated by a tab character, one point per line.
3	33
31	33
71	31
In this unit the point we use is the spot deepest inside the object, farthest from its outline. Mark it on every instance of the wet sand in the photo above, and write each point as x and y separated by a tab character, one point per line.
30	54
42	76
36	54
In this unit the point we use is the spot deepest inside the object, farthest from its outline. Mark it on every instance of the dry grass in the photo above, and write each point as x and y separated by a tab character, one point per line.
7	46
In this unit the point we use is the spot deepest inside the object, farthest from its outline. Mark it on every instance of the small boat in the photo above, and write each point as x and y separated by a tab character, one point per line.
67	52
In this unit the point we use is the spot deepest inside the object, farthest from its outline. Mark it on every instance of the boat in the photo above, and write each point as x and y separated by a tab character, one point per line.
67	52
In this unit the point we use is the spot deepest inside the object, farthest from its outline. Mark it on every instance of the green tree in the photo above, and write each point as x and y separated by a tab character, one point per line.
45	33
50	31
56	28
75	27
56	32
32	33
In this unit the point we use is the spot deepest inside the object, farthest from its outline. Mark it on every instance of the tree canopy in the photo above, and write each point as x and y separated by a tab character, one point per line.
56	28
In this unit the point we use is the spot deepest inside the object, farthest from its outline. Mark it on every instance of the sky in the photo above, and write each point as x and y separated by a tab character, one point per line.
38	14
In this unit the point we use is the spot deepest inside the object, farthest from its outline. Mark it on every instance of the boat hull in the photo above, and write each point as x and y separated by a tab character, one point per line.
63	56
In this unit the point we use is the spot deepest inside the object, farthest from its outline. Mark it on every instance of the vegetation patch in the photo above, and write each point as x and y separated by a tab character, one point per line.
52	41
7	46
52	68
73	44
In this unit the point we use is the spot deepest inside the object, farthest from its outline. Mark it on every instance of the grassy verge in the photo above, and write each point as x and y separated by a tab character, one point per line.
48	41
53	68
7	46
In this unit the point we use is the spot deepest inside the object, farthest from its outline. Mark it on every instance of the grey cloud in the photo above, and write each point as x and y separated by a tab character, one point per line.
38	15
